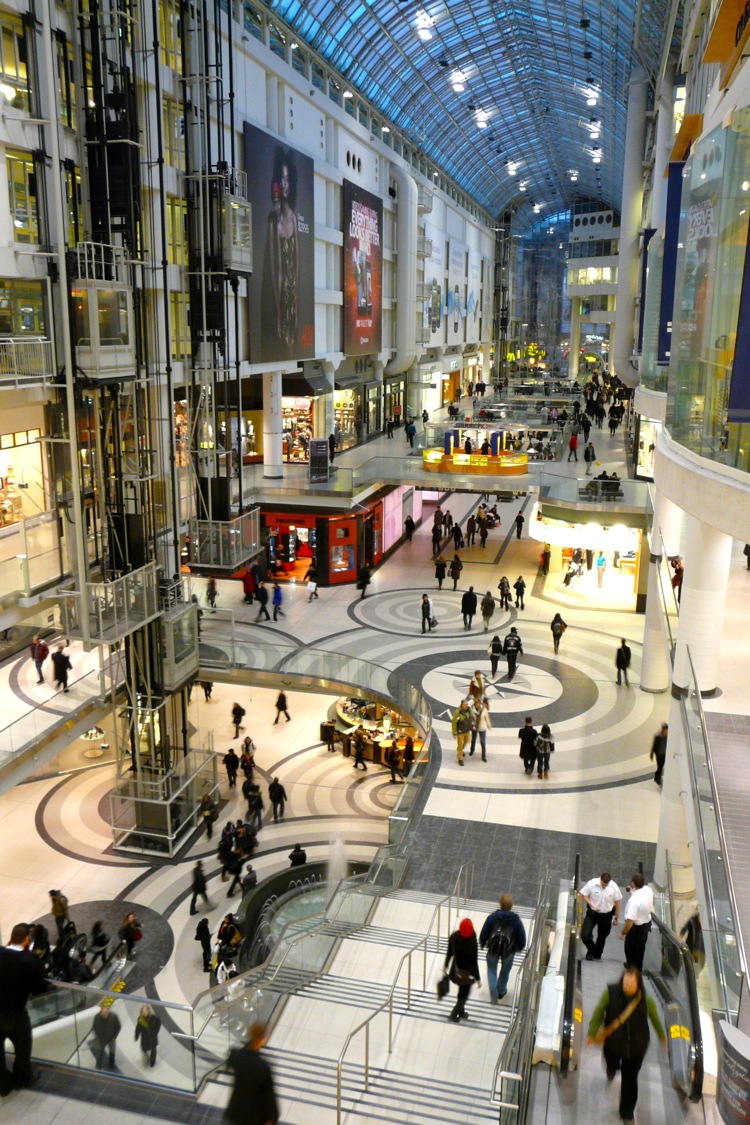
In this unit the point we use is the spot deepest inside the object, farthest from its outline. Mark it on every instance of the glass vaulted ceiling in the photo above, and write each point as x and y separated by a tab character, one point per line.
522	64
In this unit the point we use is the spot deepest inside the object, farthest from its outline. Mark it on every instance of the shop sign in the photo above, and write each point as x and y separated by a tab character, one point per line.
454	365
318	460
733	1083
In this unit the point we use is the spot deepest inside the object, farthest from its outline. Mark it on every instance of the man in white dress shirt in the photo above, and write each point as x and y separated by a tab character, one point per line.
637	921
602	897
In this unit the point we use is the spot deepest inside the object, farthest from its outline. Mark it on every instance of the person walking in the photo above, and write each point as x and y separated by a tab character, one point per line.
311	578
619	1023
248	587
253	1099
512	649
637	927
441	568
281	707
208	814
331	447
231	765
468	607
39	653
208	688
461	725
602	897
411	433
503	936
363	580
481	723
428	614
544	558
409	526
437	538
199	887
455	569
458	536
212	592
277	599
659	752
495	651
504	588
106	1027
21	976
519	524
601	566
389	427
99	943
130	933
483	531
622	662
277	796
60	912
557	627
261	595
448	524
462	965
203	935
528	736
589	456
359	750
147	1028
544	747
477	686
61	665
393	760
238	714
471	530
520	587
573	446
255	808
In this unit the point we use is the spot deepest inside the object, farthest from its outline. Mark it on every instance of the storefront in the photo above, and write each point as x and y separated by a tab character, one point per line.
394	399
297	424
22	478
347	417
644	443
450	380
374	419
290	542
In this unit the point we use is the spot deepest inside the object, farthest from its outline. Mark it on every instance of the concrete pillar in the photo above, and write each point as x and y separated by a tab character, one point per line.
655	671
555	560
273	461
662	149
575	337
630	225
704	592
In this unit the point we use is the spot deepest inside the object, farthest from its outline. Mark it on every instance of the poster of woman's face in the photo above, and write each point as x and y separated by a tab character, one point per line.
281	290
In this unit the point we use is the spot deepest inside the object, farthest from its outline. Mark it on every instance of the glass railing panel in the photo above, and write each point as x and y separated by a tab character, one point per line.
669	967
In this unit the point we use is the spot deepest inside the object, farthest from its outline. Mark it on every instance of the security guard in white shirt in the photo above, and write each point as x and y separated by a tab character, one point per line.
602	897
637	921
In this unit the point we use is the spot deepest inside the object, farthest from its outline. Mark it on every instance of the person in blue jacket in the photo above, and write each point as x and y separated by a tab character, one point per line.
503	935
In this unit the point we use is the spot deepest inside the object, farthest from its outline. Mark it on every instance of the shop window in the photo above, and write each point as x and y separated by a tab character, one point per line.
253	21
22	310
66	85
170	35
13	78
179	325
22	192
174	134
176	231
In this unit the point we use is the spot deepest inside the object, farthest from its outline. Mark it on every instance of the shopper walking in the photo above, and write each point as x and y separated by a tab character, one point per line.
281	707
544	747
557	628
503	936
312	581
231	765
277	599
471	530
638	911
331	447
495	651
441	567
203	935
462	965
455	569
589	456
622	662
437	538
481	723
659	752
512	649
602	897
261	595
458	536
483	533
528	736
520	587
60	912
359	750
504	588
619	1023
212	592
409	527
253	1099
461	724
39	653
468	607
21	976
238	714
428	614
519	524
277	796
487	609
363	580
199	887
61	665
106	1027
601	566
147	1030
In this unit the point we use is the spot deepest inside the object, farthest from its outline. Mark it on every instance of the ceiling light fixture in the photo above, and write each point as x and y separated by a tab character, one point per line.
424	23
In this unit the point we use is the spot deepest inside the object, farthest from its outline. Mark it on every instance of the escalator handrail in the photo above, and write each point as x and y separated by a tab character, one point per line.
696	1033
571	977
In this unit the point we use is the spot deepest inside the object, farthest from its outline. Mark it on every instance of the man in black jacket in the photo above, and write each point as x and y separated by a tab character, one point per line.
21	975
528	736
61	664
622	662
277	796
512	649
199	887
253	1101
469	607
659	751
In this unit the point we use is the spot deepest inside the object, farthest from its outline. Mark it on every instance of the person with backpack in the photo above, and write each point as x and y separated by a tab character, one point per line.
557	628
544	747
502	935
39	653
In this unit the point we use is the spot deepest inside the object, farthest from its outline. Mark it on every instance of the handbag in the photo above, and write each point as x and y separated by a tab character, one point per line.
138	934
433	622
312	586
443	986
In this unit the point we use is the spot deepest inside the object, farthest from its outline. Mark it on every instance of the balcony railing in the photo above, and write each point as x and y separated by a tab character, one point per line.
225	544
26	360
105	612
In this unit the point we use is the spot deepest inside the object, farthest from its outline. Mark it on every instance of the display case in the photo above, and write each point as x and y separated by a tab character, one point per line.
503	464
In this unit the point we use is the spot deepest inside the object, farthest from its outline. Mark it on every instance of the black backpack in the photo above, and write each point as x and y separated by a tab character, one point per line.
501	941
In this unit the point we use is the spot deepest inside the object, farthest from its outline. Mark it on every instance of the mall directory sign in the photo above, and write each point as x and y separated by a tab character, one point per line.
280	186
363	271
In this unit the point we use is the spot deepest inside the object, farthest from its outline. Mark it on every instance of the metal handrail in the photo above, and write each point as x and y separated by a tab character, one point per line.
316	930
719	823
465	872
571	977
522	1027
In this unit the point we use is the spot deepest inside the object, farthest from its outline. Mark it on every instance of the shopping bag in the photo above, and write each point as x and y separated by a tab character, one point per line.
443	986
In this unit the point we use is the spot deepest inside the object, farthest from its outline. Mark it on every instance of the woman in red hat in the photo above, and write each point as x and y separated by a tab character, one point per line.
463	959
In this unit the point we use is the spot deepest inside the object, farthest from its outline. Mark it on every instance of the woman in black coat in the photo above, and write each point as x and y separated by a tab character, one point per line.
147	1030
463	958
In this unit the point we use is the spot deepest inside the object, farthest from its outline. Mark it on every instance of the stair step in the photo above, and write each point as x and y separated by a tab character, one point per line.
472	904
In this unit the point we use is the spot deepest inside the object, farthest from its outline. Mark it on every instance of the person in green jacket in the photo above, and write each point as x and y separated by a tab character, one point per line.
620	1024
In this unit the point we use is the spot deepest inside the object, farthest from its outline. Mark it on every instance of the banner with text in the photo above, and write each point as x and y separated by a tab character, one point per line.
363	271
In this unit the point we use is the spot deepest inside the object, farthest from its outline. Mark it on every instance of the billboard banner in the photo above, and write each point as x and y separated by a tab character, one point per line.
363	271
280	186
473	298
455	306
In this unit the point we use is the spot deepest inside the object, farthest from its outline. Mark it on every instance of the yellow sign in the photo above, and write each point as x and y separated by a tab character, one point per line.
577	1015
677	1031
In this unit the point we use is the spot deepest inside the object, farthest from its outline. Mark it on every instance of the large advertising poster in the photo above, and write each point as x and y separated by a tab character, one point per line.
363	271
434	281
454	304
282	287
473	298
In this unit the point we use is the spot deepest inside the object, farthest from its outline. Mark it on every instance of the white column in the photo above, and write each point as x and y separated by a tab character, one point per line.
273	463
673	831
655	672
575	337
704	592
662	149
630	225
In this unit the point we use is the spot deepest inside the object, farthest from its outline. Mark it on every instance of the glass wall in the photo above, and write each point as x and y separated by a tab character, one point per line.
712	240
653	377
